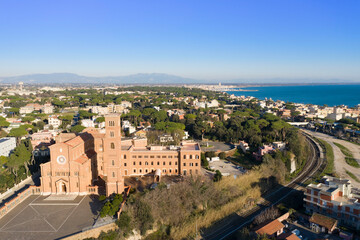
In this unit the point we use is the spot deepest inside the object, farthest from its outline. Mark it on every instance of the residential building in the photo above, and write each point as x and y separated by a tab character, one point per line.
39	139
279	146
244	146
272	229
26	110
7	145
321	223
262	151
88	123
336	198
98	160
54	121
47	109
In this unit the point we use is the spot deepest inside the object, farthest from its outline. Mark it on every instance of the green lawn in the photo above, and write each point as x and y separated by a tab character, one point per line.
245	160
349	158
329	170
352	176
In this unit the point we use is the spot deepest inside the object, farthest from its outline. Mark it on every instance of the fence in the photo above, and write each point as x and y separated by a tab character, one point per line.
20	197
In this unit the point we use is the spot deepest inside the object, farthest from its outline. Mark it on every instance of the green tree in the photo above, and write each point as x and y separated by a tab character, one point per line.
77	128
18	133
3	123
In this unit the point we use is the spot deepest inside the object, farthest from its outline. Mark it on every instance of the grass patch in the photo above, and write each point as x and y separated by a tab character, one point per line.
244	159
349	158
352	175
329	169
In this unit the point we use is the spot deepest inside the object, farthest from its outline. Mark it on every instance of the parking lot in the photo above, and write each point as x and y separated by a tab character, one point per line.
39	218
226	168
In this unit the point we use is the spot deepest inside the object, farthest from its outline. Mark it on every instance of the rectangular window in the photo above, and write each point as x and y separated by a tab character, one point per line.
184	156
184	164
146	156
77	184
152	156
113	174
112	134
124	164
163	156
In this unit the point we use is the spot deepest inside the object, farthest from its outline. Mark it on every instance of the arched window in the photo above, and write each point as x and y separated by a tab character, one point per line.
112	145
146	163
113	162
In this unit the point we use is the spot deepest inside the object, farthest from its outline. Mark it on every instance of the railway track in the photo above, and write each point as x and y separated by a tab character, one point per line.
313	165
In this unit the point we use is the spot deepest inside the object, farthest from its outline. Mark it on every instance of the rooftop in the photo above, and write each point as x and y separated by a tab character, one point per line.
323	221
270	228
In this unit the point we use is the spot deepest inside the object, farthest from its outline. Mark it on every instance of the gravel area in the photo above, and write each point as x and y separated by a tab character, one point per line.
340	164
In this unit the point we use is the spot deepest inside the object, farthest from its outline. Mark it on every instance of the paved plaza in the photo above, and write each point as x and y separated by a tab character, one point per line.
227	168
53	218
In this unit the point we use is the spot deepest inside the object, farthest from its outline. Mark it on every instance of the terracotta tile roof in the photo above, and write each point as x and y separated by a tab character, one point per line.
79	139
323	221
74	141
82	159
292	237
288	236
270	228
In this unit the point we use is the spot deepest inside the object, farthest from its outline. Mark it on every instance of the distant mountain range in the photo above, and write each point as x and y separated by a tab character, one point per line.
70	78
151	78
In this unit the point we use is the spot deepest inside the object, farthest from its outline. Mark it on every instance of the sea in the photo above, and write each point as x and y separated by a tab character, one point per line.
331	95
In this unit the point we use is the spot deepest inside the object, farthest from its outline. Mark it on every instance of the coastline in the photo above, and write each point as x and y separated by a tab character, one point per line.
331	95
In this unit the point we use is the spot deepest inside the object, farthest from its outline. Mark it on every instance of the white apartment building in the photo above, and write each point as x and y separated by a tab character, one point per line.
87	123
54	121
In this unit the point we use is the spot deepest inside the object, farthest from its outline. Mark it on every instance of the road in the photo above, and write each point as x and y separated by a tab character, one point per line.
236	222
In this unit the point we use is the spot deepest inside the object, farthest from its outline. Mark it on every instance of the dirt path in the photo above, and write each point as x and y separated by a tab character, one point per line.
339	159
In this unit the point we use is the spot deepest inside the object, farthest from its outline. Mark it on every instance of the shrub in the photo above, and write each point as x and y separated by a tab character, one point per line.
124	224
217	176
222	155
102	198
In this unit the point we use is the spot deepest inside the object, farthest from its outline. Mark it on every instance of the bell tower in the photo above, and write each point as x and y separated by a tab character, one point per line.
112	153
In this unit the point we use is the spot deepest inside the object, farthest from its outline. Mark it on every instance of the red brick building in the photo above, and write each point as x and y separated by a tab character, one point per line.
99	157
336	198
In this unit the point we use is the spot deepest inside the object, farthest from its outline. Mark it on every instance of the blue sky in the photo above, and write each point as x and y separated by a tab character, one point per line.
250	39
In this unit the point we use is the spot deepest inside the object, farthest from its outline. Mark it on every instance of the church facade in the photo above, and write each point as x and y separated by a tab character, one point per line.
101	158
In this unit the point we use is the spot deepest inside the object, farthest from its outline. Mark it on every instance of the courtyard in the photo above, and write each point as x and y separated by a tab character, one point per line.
41	217
227	168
